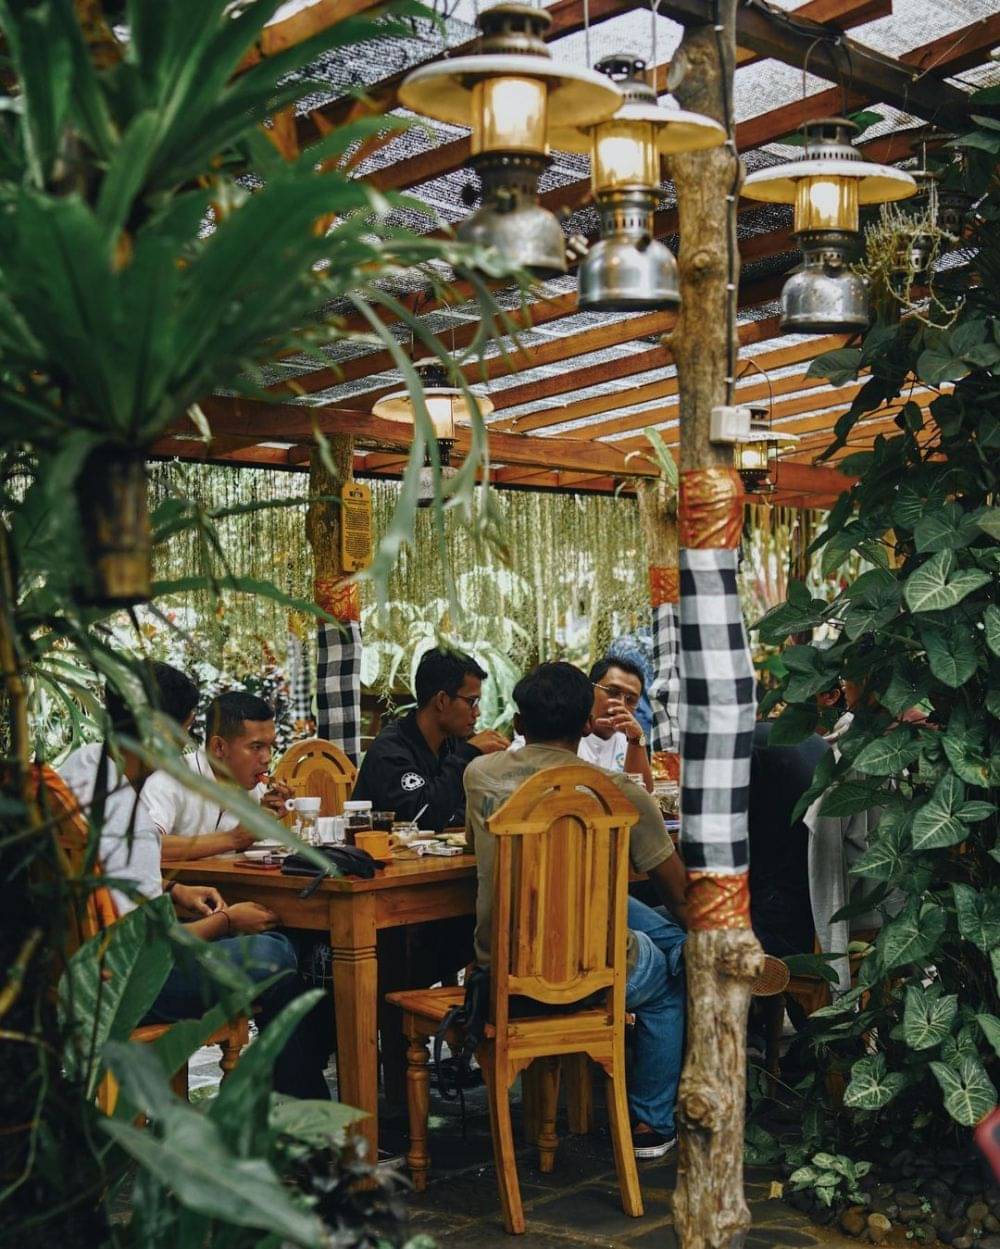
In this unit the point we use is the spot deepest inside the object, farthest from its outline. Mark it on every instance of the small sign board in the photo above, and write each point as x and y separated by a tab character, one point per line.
355	526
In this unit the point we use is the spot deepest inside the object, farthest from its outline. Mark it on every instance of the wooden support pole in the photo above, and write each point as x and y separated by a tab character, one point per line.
722	953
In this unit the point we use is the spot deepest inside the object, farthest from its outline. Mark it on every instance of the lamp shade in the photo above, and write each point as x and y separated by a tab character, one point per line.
817	183
447	406
511	93
756	453
625	149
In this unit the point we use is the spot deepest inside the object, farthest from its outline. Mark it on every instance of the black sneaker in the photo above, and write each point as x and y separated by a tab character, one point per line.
652	1144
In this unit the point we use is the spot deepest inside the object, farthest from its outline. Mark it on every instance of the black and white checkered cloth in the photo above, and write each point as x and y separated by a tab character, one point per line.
299	680
665	691
716	714
338	686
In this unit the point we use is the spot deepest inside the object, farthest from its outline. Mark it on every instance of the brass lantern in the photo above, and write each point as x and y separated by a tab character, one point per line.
447	406
756	454
827	186
511	93
629	269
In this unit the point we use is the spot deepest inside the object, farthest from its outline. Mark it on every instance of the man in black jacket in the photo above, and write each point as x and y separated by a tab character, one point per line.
418	761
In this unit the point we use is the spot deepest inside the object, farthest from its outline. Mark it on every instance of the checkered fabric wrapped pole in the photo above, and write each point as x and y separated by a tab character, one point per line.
338	685
299	679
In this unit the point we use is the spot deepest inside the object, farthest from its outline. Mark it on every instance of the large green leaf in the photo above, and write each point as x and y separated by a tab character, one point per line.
928	1016
890	754
978	914
969	1094
991	623
871	1086
946	528
912	934
320	1124
935	823
850	797
964	742
111	983
991	1030
241	1109
185	1152
934	586
951	651
885	854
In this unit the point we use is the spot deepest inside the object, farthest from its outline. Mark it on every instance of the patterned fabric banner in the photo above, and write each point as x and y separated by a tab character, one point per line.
299	682
665	691
338	686
717	710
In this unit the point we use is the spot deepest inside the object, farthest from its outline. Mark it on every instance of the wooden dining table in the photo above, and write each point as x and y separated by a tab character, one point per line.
350	912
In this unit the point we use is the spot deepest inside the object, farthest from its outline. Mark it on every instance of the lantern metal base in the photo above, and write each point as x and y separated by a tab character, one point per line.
628	270
511	219
823	295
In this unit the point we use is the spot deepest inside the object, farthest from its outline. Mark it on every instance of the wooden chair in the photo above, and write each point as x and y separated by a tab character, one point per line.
320	769
94	911
558	940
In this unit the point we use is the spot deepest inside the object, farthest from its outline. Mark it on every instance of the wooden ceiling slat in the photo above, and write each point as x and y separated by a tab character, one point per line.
557	415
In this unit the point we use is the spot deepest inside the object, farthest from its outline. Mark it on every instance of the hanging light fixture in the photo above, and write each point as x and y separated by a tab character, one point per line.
629	269
756	454
827	186
447	406
511	92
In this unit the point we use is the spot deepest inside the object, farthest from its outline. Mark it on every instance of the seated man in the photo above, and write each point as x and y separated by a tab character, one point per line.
129	852
415	765
555	704
239	737
780	909
616	740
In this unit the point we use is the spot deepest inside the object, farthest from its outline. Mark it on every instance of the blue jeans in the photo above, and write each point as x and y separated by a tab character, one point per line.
188	992
654	992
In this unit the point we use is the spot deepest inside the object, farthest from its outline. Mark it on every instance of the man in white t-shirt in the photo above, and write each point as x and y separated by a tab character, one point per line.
239	737
129	854
617	742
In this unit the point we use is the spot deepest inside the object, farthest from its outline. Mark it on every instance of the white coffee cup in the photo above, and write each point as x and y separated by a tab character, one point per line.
304	804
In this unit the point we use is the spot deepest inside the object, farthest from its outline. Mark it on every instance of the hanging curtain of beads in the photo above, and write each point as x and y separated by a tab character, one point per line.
574	577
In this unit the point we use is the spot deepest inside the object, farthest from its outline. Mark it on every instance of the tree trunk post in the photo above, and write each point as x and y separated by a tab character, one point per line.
717	682
338	646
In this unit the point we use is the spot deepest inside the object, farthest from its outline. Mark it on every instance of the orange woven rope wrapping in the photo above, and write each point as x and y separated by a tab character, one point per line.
664	584
711	508
339	597
715	902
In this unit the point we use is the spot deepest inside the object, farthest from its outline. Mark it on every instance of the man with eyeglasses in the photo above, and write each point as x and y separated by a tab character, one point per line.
617	741
416	763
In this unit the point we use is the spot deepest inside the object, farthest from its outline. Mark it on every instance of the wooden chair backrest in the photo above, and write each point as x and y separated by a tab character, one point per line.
561	891
320	769
94	910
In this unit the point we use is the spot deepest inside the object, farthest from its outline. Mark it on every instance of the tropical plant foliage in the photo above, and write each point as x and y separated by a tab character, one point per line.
154	246
919	636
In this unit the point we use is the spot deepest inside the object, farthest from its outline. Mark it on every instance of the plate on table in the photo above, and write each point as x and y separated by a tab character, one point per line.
268	847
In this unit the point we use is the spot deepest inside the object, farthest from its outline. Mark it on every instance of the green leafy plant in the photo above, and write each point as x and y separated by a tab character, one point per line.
918	641
832	1178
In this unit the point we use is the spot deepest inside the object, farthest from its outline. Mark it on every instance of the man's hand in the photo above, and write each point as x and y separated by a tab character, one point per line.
275	798
193	901
247	919
621	720
487	742
239	838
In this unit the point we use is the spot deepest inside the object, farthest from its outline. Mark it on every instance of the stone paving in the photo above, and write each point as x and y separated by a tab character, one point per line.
576	1205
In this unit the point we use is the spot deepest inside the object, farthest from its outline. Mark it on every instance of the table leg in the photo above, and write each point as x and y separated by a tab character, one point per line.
355	997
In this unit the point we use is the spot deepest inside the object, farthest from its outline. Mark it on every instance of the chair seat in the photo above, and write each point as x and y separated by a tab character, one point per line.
431	1004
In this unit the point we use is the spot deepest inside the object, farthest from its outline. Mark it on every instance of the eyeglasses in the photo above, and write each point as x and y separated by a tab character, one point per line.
615	691
472	699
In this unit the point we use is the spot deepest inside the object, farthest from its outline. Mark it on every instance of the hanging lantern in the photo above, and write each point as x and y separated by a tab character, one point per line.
756	454
511	93
629	269
447	406
827	187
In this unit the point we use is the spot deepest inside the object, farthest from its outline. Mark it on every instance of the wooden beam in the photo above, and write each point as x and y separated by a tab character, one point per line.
266	422
302	25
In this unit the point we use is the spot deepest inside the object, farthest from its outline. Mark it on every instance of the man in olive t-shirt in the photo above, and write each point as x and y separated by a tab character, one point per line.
554	707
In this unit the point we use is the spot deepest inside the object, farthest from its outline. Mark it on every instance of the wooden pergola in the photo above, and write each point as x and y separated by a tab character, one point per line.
573	392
